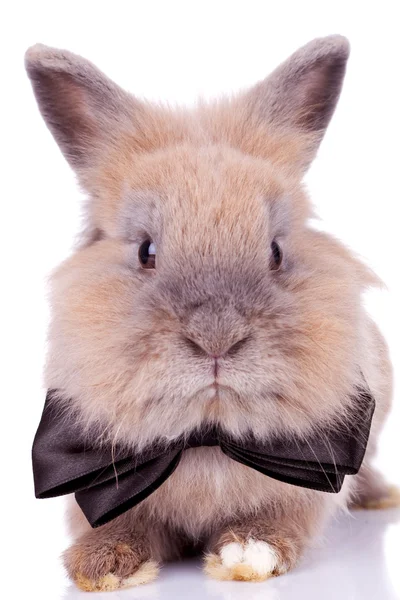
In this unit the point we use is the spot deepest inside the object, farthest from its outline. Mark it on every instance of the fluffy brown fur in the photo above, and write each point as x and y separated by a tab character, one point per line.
132	351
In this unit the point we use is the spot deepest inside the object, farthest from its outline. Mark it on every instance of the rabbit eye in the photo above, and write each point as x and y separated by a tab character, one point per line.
147	255
276	256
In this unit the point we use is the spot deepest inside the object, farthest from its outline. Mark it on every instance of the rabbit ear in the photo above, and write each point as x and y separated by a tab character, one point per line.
301	94
82	107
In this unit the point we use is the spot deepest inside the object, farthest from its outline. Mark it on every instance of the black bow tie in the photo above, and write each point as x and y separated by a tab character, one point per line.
107	481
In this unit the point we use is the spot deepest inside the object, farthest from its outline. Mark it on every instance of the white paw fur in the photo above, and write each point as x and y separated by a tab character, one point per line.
252	561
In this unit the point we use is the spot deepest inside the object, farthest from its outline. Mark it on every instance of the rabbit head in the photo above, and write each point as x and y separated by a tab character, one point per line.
199	293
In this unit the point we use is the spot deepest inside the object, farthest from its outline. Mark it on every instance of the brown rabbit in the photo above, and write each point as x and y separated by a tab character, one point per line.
200	293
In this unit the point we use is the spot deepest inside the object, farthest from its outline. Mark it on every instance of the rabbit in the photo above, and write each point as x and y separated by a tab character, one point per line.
198	292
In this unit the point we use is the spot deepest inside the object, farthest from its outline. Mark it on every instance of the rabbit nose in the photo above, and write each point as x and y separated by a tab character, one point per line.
216	353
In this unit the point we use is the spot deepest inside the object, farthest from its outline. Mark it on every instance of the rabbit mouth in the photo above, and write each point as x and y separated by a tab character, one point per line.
218	387
216	393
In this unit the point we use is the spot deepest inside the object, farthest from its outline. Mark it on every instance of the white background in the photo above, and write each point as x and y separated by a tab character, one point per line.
175	51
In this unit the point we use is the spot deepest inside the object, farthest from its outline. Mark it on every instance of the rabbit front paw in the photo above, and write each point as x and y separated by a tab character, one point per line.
98	566
250	560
